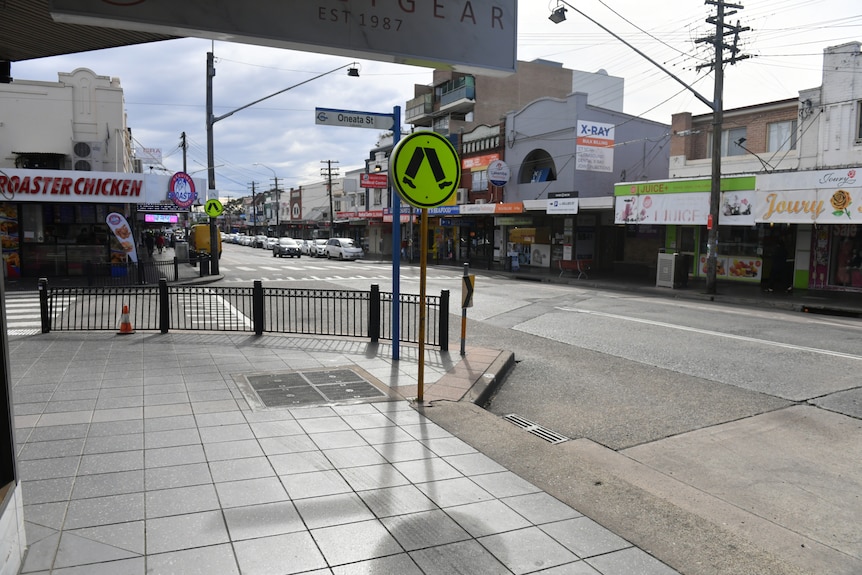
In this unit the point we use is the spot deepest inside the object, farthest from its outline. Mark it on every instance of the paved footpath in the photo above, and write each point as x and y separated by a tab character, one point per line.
148	453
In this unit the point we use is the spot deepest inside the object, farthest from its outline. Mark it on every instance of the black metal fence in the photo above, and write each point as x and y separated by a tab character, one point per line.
148	272
341	313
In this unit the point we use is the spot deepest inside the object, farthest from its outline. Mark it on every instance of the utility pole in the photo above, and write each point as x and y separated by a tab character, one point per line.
327	172
722	30
185	146
277	206
253	211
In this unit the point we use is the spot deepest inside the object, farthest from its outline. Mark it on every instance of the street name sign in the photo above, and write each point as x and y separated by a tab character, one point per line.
353	119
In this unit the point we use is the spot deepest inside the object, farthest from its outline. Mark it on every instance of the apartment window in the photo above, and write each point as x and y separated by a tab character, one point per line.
781	136
728	142
378	197
480	181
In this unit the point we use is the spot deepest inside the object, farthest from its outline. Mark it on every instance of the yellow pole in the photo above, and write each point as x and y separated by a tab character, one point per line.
423	262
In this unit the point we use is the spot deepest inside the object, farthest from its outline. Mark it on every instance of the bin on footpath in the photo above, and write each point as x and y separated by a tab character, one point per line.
181	251
205	266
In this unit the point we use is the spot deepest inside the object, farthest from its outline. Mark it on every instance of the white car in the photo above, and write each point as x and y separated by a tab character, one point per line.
343	249
318	250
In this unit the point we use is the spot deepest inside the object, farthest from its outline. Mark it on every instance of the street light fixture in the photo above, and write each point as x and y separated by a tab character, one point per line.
277	193
352	71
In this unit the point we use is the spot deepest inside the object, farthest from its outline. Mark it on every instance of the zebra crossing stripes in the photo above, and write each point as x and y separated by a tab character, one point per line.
24	314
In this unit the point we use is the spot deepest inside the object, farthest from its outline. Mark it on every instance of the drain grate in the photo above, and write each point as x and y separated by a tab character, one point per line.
536	429
315	387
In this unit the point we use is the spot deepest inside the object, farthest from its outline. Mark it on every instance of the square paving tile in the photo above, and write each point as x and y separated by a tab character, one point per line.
540	508
181	500
185	531
397	501
238	469
282	554
353	542
585	537
527	550
462	557
212	560
103	484
250	492
264	520
424	529
105	510
315	484
332	510
631	560
177	476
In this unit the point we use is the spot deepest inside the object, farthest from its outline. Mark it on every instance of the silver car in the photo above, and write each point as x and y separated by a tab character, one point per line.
343	249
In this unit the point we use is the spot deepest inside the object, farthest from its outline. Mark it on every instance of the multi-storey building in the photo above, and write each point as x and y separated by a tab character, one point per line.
66	162
790	184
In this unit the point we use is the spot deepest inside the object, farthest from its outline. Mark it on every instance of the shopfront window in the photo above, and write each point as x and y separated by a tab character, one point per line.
61	239
846	257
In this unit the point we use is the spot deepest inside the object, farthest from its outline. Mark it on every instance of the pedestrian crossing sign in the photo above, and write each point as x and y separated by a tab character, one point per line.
213	208
425	169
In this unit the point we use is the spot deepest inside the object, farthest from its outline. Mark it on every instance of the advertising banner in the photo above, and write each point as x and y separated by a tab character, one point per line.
595	147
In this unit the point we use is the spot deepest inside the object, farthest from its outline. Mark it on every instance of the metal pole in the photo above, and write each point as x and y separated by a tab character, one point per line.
211	186
464	317
396	248
423	257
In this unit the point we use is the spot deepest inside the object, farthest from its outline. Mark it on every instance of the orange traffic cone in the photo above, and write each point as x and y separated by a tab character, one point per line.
125	322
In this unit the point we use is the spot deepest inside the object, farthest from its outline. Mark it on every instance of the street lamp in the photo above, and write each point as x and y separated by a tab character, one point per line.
277	193
352	70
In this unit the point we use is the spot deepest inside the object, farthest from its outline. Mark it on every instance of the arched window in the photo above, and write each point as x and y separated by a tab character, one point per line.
538	166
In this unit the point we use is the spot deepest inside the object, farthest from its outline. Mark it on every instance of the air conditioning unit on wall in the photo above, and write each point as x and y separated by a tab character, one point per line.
87	156
481	201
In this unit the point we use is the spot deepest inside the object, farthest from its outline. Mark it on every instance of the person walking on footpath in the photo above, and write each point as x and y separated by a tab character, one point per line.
150	241
160	242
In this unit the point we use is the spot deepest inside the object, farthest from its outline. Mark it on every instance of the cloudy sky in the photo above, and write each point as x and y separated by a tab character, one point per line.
165	83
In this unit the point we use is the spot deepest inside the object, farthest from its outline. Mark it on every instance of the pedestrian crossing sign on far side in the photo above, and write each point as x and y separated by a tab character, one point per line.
213	208
425	169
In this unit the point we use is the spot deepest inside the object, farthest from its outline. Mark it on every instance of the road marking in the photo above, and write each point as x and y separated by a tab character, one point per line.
716	333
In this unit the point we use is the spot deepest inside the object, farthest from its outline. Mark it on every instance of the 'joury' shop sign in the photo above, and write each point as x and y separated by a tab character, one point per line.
813	196
62	186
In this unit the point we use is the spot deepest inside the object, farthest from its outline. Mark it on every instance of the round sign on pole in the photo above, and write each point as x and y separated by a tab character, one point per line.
498	173
213	208
425	169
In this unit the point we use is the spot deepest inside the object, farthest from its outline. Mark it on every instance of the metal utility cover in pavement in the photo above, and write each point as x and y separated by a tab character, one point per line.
310	387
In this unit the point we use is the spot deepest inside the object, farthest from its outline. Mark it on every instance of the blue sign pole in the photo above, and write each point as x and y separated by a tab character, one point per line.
396	245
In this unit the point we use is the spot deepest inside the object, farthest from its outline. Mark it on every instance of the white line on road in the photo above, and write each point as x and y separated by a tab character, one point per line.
716	333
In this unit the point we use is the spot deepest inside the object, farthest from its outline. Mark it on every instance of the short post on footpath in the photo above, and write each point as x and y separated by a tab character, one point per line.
466	301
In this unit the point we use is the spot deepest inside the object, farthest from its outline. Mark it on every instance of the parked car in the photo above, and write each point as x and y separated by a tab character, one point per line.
305	247
319	249
343	249
259	241
270	243
286	247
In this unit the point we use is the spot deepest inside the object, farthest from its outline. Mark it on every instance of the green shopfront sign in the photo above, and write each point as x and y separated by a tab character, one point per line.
732	184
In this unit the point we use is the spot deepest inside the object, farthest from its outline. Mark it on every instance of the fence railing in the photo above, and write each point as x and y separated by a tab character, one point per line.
340	313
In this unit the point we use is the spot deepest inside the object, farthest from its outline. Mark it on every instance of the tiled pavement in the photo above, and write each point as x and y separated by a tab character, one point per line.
140	454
